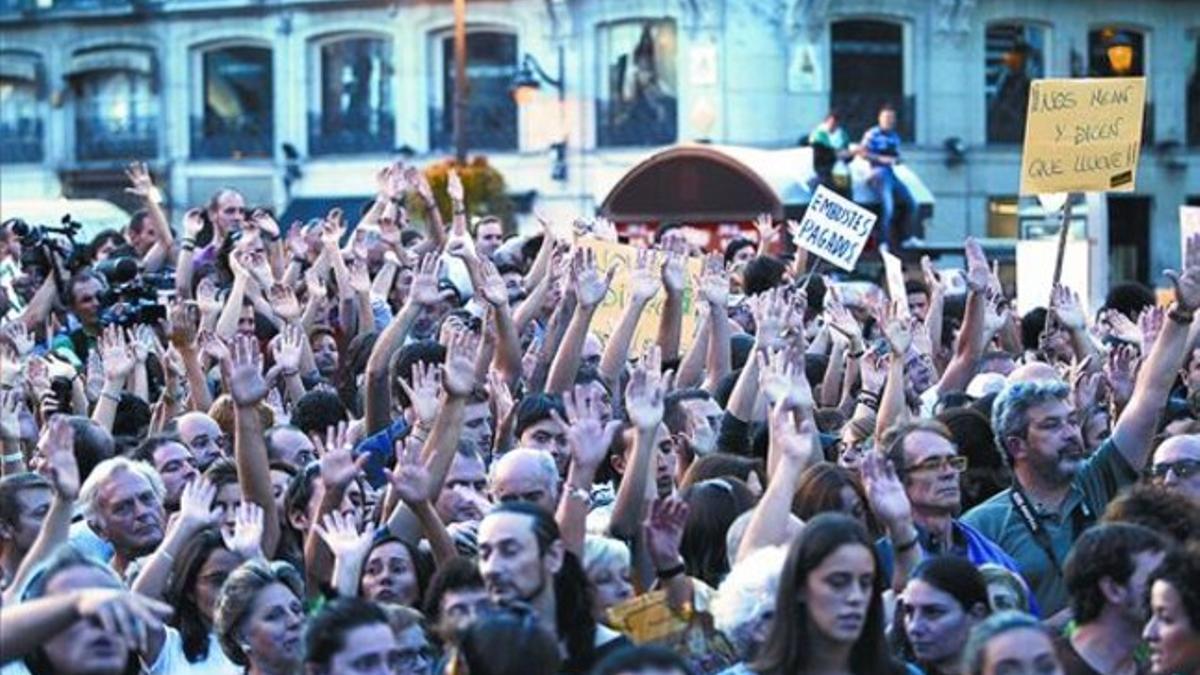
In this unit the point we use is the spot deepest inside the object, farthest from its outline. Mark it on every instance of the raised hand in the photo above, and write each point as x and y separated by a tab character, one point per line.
128	615
492	288
673	269
644	281
20	338
772	312
713	282
424	289
338	464
995	313
645	391
144	343
454	186
117	354
897	329
1064	303
416	178
765	227
11	365
1119	326
347	544
663	530
424	392
140	183
246	539
207	298
245	380
978	272
410	479
587	435
843	322
1120	372
196	505
782	378
264	222
193	223
314	285
885	492
283	301
1150	323
287	349
499	395
11	403
213	346
458	373
332	229
590	285
793	435
932	280
183	323
57	447
1187	283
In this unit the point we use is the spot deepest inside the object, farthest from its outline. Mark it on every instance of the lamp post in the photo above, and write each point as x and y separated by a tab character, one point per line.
460	81
524	88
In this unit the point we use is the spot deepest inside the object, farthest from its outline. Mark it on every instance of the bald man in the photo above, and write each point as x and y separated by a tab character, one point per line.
1176	465
526	475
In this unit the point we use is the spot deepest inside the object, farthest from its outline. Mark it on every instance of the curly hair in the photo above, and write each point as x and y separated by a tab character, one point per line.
1158	508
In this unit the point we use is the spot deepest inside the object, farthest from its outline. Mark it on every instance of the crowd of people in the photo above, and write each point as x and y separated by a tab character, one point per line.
365	445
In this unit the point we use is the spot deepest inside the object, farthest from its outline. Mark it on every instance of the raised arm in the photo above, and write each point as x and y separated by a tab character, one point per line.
423	294
972	338
589	441
119	362
1134	430
713	288
590	288
893	408
670	327
643	285
142	187
644	406
458	379
248	388
506	358
412	482
339	468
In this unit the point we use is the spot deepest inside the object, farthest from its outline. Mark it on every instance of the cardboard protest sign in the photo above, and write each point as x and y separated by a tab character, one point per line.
1083	135
1189	224
649	618
608	314
894	271
834	228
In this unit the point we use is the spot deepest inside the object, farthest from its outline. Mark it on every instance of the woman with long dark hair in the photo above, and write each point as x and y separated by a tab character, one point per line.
829	612
199	572
945	598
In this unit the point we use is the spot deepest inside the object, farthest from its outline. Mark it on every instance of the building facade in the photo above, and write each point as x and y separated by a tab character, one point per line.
304	99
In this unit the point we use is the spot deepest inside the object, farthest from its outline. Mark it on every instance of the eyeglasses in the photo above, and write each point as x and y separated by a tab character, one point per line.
1184	469
956	462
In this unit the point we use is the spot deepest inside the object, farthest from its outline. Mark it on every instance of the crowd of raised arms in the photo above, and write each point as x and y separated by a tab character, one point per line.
364	445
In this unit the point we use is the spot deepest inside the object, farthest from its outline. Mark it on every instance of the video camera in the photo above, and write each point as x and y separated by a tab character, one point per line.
132	296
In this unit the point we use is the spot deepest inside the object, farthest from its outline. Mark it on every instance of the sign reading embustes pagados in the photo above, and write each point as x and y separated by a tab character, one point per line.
1083	135
834	228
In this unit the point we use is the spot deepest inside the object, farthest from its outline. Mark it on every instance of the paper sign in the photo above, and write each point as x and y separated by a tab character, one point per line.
608	314
1189	224
1083	135
1035	272
895	281
834	228
649	619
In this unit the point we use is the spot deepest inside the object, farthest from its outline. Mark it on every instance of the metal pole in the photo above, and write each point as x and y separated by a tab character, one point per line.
460	81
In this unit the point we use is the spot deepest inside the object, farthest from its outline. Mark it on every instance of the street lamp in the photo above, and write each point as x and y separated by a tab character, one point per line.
525	84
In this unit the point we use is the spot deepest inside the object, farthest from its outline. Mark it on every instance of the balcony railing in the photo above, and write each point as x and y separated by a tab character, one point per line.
21	141
638	123
128	139
491	125
859	111
232	137
359	134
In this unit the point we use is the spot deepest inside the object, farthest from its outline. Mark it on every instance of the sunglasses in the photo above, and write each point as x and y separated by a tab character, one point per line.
1184	469
957	462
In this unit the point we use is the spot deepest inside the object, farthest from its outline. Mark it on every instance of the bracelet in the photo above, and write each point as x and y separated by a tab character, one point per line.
12	457
857	355
579	493
670	573
188	241
289	373
1180	316
906	546
115	398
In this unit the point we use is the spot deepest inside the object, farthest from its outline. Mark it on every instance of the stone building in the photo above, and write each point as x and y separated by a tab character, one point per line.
298	101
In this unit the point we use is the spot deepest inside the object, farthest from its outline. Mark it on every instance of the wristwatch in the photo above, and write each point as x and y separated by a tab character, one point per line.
579	493
1180	316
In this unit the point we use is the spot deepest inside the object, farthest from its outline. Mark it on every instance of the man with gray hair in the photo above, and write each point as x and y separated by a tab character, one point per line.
122	503
525	474
1058	491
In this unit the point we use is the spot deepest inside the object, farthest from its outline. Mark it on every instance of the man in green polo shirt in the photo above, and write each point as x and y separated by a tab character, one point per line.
1057	490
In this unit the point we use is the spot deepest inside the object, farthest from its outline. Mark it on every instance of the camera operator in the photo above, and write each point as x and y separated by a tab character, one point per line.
84	295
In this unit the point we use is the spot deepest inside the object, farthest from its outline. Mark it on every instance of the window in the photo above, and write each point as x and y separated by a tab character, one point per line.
1002	217
1121	52
1013	57
355	107
491	115
236	117
116	116
868	71
20	123
639	98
